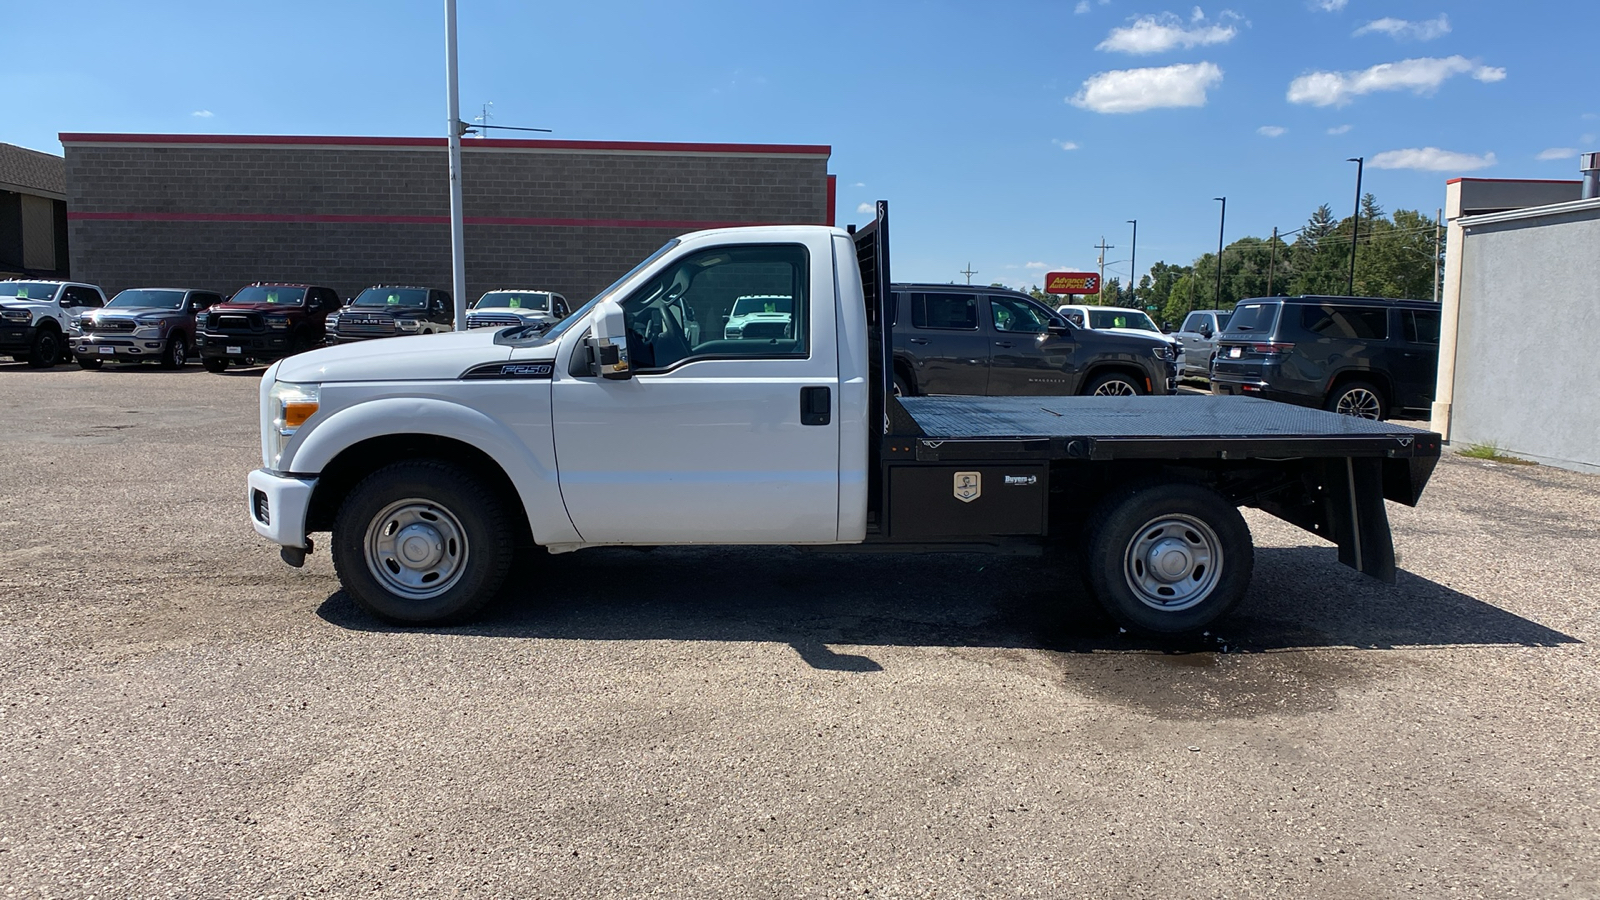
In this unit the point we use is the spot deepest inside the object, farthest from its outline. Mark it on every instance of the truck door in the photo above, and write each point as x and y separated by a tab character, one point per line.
949	348
722	442
1416	362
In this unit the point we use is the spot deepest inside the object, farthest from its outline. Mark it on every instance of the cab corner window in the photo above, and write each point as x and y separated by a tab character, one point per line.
728	302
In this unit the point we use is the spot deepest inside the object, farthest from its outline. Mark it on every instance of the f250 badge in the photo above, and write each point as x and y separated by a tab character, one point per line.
969	486
509	370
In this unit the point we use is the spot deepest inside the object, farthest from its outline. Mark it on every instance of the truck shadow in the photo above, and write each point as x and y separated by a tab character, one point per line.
1300	599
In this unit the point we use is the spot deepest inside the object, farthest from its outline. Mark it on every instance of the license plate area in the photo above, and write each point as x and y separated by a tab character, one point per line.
234	350
107	351
1235	352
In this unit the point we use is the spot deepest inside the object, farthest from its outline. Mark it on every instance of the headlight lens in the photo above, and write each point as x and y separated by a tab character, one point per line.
16	316
291	405
278	322
408	324
150	329
332	321
1165	352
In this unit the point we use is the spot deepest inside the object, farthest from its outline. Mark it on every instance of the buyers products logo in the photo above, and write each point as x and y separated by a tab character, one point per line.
969	486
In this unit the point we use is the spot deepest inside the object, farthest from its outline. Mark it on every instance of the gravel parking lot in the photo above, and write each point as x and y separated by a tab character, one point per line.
185	716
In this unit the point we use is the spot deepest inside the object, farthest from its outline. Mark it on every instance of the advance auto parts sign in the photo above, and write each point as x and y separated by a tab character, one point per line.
1071	283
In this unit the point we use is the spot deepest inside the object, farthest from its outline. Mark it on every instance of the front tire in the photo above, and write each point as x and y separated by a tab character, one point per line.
422	542
175	354
1114	384
1359	399
216	365
90	362
46	348
1168	558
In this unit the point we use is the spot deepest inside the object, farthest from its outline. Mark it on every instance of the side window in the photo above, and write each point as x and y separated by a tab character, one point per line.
1016	317
202	300
758	293
1420	327
950	312
1346	322
1192	323
80	296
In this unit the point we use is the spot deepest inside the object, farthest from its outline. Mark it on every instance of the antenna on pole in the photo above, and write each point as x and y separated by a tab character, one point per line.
482	118
969	271
1103	247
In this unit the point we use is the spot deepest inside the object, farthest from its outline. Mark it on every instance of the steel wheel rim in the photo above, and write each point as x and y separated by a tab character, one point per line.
416	549
1117	388
1173	562
1359	402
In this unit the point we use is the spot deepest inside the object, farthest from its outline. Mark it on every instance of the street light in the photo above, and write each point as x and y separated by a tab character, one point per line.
1355	225
1133	263
1221	227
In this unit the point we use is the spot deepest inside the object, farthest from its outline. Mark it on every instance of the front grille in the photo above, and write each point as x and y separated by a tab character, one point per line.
366	325
246	322
492	320
111	326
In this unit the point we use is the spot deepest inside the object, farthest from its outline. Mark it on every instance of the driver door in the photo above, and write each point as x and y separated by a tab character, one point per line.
709	442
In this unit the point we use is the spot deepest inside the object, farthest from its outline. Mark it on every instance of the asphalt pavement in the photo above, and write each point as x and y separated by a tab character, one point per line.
181	715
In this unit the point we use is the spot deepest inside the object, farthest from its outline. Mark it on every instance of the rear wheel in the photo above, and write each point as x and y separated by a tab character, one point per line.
422	542
901	387
1114	384
46	348
1358	398
1168	558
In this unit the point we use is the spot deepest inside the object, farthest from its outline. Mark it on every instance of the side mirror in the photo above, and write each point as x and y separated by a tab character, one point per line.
1058	328
610	341
1205	331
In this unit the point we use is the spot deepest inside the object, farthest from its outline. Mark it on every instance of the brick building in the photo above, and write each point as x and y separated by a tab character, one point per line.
221	211
33	214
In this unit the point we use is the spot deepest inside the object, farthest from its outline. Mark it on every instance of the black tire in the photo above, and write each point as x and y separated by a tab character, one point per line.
902	388
1114	384
442	503
1360	399
175	353
1202	538
90	362
46	348
214	364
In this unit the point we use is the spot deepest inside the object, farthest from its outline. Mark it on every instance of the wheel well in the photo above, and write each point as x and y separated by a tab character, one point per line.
356	462
1376	379
1118	369
903	368
49	324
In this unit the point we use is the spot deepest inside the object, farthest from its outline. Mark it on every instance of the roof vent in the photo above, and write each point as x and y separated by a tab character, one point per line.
1589	165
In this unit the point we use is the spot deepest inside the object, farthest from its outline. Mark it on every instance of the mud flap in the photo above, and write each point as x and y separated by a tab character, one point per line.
1355	518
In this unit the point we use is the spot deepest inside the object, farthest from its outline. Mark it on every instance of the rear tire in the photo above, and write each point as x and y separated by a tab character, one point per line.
901	387
422	542
1114	384
90	362
1359	399
1168	558
46	349
214	364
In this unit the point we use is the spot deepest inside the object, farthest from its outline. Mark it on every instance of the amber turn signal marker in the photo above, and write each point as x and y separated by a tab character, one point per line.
296	412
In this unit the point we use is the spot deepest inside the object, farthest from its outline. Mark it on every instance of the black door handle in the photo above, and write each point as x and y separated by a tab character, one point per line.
816	406
918	340
1006	344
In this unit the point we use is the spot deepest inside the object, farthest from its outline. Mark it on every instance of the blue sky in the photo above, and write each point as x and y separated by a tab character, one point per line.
1011	135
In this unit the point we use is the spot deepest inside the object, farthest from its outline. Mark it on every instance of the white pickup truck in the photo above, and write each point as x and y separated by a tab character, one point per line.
432	460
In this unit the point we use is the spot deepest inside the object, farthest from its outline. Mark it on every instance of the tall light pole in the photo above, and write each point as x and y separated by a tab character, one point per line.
1355	225
458	251
1221	227
1133	263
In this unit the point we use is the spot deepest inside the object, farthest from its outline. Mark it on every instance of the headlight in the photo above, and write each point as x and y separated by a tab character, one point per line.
16	316
332	321
291	405
278	322
150	329
408	324
1165	352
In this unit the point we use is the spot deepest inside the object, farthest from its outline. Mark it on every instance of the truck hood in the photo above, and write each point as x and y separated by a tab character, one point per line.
414	312
1141	333
258	307
423	357
136	312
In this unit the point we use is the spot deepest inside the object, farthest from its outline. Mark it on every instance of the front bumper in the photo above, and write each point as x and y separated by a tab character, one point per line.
118	347
14	338
277	505
262	348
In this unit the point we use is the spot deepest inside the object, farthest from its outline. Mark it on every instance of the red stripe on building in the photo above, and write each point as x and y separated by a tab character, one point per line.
202	140
833	201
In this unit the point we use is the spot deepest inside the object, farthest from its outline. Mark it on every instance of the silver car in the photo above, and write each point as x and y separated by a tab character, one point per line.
1197	340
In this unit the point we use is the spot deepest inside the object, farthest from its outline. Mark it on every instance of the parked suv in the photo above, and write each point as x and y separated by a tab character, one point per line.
390	311
142	325
953	339
38	318
263	322
503	308
1359	356
1115	319
1197	341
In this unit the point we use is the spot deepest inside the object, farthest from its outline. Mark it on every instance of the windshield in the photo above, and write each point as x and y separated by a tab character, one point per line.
1121	318
141	298
1257	318
513	300
410	298
28	290
282	296
583	310
744	306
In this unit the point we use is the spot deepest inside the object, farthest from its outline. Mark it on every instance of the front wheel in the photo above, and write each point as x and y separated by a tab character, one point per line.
1168	558
1114	384
46	349
90	362
175	354
422	542
214	364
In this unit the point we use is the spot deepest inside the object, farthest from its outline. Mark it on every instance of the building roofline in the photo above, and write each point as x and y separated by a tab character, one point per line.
221	140
1516	180
1529	212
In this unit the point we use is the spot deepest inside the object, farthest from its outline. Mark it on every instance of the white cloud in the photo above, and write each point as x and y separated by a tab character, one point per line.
1402	30
1136	90
202	114
1557	153
1035	265
1340	129
1431	159
1587	139
866	208
1419	76
1329	5
1271	130
859	184
1081	8
1152	34
1066	145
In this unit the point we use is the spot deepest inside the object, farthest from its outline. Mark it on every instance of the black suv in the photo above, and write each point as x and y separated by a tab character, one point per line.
391	310
1355	355
955	339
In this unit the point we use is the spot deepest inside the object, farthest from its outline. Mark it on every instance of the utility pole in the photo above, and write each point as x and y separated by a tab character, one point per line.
1133	263
1103	247
1355	225
969	271
1221	227
458	250
1273	263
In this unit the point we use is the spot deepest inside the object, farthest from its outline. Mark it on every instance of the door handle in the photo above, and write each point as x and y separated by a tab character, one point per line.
1006	344
816	405
918	340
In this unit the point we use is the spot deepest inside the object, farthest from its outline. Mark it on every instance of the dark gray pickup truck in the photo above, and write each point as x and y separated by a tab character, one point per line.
960	339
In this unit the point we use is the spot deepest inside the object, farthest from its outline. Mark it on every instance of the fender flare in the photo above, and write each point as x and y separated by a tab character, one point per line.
536	484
